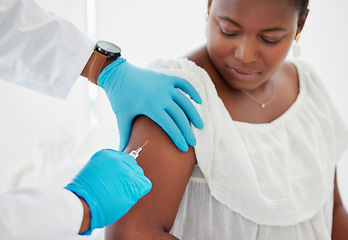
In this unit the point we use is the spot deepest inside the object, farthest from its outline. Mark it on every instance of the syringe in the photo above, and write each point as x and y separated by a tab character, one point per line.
135	153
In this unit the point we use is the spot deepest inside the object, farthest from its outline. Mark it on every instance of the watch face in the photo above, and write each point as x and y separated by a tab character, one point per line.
108	48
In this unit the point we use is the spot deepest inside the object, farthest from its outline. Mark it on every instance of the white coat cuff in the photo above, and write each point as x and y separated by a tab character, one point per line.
40	214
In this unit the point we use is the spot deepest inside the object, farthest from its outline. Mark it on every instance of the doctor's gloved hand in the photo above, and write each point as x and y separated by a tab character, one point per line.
110	183
135	91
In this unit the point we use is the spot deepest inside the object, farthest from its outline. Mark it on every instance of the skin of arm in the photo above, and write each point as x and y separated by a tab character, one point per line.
169	170
340	217
86	221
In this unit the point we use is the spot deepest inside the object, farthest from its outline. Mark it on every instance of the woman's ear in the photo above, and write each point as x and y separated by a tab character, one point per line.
302	21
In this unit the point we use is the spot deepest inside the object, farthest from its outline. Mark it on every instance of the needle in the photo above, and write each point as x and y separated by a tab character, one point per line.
144	145
135	153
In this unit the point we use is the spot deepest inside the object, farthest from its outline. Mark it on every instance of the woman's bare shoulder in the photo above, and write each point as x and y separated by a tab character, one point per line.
290	71
198	56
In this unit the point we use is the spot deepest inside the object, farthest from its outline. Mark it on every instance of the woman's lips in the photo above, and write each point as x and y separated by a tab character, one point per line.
243	75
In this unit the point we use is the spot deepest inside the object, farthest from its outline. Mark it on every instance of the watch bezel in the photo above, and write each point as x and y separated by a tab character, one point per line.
109	49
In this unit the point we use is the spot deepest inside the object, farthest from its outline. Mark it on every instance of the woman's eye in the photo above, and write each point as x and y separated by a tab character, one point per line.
228	34
270	41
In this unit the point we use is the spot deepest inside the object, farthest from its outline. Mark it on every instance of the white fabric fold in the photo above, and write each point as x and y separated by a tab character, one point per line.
279	173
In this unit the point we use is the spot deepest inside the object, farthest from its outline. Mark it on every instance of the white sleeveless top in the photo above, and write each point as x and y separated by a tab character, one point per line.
261	181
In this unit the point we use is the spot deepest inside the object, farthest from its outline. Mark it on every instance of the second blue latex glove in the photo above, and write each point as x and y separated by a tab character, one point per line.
135	91
111	183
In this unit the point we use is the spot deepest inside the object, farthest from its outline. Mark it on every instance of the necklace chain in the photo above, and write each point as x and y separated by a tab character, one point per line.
263	105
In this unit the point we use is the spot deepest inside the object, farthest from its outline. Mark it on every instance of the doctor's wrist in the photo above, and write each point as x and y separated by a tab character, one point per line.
86	220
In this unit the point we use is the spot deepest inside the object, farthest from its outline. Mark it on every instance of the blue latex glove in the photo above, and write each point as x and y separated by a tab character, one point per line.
135	91
111	183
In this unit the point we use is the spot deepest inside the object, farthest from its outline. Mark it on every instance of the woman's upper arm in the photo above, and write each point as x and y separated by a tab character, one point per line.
169	170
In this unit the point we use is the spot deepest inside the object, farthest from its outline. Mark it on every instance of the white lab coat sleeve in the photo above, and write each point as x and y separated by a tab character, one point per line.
40	50
37	214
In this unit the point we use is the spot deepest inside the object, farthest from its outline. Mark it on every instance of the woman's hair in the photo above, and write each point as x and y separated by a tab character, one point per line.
301	5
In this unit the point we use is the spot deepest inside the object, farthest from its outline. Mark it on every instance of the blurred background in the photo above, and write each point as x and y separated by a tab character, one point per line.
44	141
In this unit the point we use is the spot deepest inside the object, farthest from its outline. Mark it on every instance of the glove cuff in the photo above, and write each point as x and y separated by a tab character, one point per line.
110	69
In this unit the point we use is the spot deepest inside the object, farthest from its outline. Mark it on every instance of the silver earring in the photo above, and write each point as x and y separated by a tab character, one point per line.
296	49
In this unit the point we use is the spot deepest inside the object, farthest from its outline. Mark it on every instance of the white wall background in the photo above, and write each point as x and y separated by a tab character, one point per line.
35	127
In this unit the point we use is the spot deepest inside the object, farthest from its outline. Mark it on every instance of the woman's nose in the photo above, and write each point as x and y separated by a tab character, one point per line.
245	51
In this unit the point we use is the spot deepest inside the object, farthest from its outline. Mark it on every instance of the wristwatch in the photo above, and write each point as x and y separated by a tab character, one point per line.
104	54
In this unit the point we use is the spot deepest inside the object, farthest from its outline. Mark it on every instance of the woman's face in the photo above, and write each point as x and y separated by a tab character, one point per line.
248	40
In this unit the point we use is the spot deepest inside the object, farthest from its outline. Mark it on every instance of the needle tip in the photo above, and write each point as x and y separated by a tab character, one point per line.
144	144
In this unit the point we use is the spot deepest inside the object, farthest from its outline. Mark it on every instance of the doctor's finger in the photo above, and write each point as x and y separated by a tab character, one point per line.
188	88
183	123
189	109
169	126
124	128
